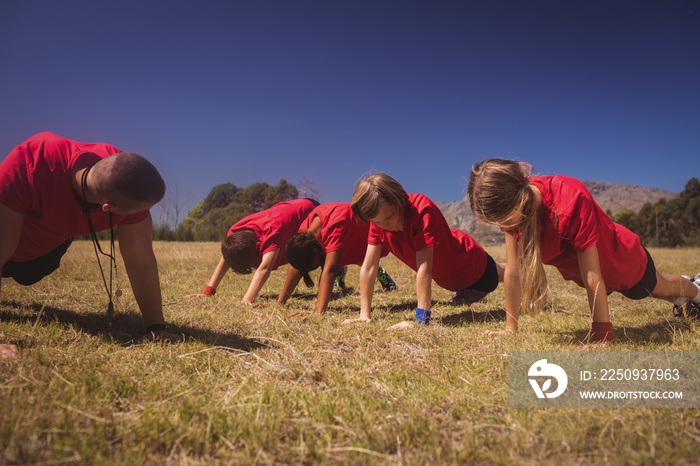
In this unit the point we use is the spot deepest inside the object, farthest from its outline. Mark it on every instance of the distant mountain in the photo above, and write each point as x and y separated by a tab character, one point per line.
611	197
615	197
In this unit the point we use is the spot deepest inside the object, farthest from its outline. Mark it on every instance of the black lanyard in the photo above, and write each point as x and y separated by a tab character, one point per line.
98	248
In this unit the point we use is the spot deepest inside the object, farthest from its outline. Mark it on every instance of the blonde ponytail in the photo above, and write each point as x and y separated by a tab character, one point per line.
497	187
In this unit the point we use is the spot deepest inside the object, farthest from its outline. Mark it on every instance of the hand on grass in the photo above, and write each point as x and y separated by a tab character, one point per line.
359	319
8	351
196	295
253	304
401	325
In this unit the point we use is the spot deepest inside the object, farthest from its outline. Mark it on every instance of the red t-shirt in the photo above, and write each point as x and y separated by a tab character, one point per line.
571	221
274	226
340	229
458	260
35	180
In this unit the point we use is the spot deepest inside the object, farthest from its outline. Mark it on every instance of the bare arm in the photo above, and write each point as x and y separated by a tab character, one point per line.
10	231
136	247
511	284
589	265
219	272
424	277
290	283
325	287
262	273
368	275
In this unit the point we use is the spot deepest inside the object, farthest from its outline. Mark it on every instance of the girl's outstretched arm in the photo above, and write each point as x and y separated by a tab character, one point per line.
589	265
511	283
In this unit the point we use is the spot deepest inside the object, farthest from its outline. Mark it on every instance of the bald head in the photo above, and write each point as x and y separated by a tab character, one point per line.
128	177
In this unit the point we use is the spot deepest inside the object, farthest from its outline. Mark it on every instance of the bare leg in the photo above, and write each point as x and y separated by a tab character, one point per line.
671	287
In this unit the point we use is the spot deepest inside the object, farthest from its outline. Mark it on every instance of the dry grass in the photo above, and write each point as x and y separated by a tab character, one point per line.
253	386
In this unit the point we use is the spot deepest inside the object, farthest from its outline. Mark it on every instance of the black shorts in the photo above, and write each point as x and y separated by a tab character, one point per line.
489	280
313	201
646	285
28	273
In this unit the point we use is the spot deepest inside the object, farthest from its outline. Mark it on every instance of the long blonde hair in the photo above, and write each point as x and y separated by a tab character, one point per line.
497	187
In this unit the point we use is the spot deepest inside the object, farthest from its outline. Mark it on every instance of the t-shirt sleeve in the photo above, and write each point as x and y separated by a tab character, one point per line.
272	242
335	235
376	234
582	226
426	231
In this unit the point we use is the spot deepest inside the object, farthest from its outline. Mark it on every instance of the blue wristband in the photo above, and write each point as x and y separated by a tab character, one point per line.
422	316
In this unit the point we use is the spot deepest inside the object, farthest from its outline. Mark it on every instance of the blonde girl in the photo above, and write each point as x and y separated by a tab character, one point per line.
554	220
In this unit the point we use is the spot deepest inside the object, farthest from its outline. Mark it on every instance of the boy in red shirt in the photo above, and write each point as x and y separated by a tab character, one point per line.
411	227
53	188
257	243
554	220
332	238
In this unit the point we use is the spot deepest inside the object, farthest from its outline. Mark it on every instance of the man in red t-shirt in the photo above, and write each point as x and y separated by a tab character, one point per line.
53	188
331	237
257	243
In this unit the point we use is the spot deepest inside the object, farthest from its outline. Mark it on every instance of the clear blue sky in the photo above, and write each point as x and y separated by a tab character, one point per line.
247	91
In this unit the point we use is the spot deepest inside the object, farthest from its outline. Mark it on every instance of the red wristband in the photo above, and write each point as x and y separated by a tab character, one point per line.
209	291
602	331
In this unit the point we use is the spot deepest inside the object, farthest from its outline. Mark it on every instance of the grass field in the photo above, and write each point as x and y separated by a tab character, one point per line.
253	386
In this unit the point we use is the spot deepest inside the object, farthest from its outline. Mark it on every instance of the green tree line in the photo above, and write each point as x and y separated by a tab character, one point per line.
667	223
225	205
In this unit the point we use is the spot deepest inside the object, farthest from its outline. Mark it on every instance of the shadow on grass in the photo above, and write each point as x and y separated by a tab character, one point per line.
311	294
125	329
470	317
342	292
660	333
400	307
344	308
